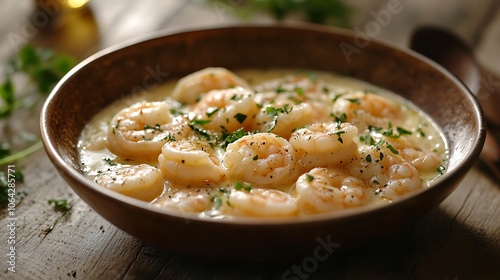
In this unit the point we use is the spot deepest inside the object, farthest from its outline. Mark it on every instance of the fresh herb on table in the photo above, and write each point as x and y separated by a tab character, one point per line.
61	205
44	67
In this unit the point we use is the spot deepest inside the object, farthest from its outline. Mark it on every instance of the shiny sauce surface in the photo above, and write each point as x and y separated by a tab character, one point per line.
263	143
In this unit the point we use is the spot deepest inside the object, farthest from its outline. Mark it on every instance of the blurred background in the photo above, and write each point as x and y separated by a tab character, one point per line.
42	39
84	26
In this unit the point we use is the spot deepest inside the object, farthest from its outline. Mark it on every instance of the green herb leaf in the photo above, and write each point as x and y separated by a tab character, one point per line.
7	97
241	186
240	117
200	121
211	111
4	149
354	100
390	147
309	177
368	158
60	204
109	161
300	91
230	138
156	127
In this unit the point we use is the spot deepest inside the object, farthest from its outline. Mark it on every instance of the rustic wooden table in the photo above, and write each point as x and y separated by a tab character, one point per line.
458	240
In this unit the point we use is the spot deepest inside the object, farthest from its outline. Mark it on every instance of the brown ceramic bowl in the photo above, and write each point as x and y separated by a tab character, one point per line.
115	73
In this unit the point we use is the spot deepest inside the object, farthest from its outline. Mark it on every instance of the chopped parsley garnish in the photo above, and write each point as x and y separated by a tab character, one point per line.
169	137
156	127
309	177
354	100
389	132
198	130
230	138
338	133
240	117
300	91
273	112
220	198
211	111
256	157
420	131
337	97
109	161
390	147
200	121
368	158
340	119
440	169
279	89
403	131
241	186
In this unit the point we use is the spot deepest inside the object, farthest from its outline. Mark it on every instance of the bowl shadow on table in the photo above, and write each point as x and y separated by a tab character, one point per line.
436	247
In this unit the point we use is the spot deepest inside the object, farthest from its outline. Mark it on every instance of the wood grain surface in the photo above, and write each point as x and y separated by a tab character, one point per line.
458	240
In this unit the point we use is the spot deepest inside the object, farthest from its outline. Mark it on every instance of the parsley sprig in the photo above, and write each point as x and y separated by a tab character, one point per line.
44	67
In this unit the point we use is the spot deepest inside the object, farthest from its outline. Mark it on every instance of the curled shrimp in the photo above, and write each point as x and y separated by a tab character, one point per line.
362	108
329	189
423	161
143	128
190	200
189	88
262	203
190	161
385	171
141	181
261	159
227	109
324	144
283	115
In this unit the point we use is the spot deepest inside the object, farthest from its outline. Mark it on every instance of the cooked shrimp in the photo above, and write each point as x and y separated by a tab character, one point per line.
141	181
140	130
227	109
262	203
261	159
189	88
282	116
190	200
423	161
329	189
324	144
190	161
381	168
363	108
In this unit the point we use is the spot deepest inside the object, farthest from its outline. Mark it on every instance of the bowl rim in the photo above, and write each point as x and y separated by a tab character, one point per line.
63	166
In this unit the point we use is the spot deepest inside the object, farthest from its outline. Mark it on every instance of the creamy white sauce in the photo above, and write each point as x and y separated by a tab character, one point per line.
212	199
